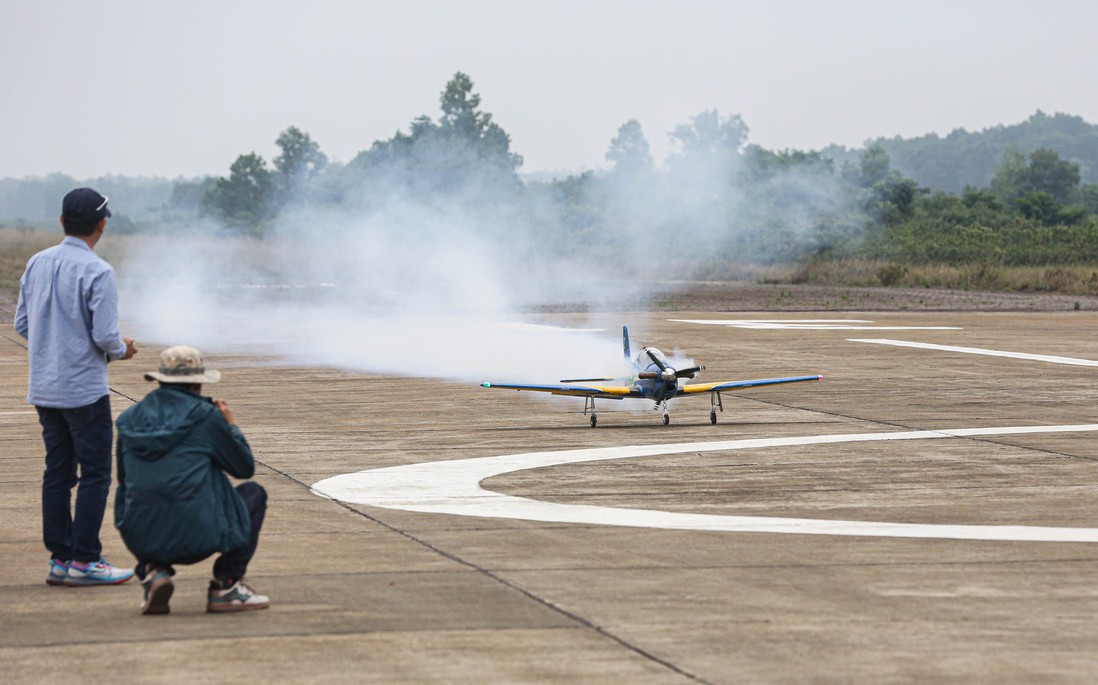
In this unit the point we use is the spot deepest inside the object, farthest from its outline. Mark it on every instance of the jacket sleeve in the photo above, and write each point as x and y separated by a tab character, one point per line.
231	452
120	490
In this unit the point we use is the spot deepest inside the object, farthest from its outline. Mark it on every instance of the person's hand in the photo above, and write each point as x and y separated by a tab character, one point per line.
131	349
226	411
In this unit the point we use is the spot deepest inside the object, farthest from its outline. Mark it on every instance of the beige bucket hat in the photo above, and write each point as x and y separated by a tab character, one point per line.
182	364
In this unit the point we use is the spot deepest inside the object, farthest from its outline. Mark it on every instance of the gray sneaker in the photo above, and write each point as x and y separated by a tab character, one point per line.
158	588
235	597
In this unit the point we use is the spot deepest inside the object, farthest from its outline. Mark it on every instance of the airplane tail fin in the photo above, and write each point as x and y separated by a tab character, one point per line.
625	343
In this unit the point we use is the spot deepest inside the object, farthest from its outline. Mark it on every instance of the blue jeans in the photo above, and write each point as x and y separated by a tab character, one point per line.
78	453
231	564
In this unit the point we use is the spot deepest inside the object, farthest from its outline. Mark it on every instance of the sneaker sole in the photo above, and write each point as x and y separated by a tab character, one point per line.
89	582
56	582
228	608
159	596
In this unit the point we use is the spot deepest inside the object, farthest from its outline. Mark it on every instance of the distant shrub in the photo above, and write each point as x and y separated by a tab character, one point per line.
891	274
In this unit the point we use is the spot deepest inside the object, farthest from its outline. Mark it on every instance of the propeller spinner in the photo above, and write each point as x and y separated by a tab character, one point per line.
666	372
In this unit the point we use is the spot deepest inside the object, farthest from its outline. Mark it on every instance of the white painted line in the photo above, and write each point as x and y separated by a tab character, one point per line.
976	350
453	487
811	324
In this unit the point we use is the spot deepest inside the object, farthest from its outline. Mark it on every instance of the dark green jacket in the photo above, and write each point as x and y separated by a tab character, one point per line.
174	503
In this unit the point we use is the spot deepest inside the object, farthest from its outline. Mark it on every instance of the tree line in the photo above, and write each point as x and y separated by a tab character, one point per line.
715	199
971	158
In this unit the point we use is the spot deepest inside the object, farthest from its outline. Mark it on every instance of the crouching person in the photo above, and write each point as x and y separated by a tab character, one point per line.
174	504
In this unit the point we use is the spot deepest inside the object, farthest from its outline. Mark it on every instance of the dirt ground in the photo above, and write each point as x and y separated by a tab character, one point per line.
362	593
722	296
726	296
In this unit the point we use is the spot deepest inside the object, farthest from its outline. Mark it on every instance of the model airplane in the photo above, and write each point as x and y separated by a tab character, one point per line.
653	378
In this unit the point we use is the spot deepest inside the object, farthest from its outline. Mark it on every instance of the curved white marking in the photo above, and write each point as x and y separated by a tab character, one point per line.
1074	361
453	487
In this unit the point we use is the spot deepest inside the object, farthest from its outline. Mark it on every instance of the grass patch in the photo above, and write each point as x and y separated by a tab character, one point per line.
1080	279
17	245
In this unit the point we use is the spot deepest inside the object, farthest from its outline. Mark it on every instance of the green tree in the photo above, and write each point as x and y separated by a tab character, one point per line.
1043	172
245	198
767	162
299	161
1039	206
875	166
464	154
462	120
187	195
460	116
1088	197
971	158
896	200
629	149
1050	174
710	135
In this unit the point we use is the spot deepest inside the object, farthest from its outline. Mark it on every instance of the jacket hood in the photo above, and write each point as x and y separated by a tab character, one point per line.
157	423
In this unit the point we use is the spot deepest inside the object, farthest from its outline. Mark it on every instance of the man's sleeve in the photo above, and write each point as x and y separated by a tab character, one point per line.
103	305
232	453
21	324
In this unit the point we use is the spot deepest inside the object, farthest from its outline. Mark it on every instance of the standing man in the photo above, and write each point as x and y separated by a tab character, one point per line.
68	312
174	503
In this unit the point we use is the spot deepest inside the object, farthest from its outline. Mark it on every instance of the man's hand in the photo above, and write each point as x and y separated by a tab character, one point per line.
131	349
226	411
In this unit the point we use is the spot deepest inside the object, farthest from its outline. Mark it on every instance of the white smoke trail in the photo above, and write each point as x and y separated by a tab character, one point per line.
406	291
405	286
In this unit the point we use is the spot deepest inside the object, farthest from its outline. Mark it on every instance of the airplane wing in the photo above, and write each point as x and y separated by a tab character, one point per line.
736	385
613	392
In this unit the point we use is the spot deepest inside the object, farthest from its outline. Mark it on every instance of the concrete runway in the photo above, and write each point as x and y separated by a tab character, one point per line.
376	593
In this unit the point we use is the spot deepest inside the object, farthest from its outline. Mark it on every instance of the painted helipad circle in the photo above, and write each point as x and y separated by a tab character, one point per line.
453	487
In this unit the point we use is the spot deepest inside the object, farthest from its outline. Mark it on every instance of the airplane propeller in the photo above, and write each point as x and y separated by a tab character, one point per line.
653	357
666	373
688	373
669	373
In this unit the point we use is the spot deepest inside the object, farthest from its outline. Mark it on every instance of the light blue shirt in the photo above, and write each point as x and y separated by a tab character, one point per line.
68	312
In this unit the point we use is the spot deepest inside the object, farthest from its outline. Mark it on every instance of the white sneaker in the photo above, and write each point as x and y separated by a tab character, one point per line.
59	572
96	573
236	597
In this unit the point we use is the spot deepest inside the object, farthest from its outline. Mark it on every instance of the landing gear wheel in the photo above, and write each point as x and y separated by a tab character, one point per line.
666	419
713	417
593	421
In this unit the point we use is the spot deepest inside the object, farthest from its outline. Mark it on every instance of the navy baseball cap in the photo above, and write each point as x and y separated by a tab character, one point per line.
84	206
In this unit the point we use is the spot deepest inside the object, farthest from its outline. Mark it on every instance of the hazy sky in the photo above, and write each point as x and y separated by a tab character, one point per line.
169	88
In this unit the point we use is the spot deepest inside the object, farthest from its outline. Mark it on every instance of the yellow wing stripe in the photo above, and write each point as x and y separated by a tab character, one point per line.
614	391
734	385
